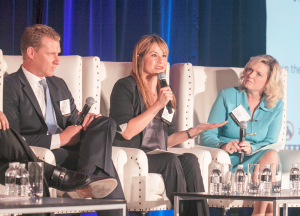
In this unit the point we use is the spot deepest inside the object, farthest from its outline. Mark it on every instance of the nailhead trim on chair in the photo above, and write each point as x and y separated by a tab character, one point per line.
190	71
80	84
98	79
140	174
284	82
140	190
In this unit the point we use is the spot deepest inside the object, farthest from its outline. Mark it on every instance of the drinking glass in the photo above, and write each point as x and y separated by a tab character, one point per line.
253	178
36	174
276	169
226	178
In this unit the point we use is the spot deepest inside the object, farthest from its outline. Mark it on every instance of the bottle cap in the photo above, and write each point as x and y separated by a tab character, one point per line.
22	165
240	166
217	166
16	164
267	166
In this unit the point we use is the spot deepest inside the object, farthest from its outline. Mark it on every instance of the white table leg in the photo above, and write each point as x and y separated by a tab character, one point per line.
122	211
275	208
285	209
176	206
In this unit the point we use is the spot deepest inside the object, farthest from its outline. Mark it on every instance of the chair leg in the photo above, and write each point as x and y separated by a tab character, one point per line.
223	211
140	213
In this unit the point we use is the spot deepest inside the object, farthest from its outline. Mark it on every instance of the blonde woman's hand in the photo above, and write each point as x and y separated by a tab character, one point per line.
3	121
246	147
231	147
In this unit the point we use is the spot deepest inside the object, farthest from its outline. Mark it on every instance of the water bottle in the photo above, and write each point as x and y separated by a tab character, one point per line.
22	181
266	179
10	178
216	180
294	178
240	179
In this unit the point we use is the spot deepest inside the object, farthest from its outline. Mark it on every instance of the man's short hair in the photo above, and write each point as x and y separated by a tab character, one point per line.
33	37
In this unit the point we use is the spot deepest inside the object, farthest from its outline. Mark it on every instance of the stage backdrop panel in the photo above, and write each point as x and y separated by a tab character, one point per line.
283	43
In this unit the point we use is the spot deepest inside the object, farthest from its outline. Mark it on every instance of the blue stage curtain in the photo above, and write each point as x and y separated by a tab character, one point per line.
203	32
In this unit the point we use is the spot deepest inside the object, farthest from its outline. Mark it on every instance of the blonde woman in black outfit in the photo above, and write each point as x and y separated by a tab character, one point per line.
136	105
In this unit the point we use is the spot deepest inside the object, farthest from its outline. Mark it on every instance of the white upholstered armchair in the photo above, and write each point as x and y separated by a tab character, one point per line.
196	89
143	191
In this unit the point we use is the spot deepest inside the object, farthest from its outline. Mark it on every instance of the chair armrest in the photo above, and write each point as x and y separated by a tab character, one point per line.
136	170
119	158
218	155
44	154
204	159
287	158
136	158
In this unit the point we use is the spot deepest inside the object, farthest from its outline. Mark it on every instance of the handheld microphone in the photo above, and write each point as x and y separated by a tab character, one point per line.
86	108
163	83
243	126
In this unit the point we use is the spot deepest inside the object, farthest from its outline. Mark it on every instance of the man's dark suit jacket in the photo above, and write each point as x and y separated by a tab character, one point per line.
23	110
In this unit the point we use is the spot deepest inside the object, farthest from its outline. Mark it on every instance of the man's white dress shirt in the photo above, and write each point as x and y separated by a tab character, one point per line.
40	95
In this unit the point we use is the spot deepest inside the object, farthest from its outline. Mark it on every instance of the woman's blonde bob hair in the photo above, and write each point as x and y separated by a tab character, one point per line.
274	88
140	50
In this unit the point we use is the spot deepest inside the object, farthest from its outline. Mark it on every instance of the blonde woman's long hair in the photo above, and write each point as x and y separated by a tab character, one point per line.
274	89
140	50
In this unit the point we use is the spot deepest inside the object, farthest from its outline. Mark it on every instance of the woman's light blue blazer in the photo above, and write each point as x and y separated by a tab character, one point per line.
262	130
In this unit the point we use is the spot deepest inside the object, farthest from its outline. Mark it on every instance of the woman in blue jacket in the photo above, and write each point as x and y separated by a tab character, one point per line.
260	94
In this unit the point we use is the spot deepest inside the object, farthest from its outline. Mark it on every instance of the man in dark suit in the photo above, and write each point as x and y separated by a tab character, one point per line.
15	149
40	107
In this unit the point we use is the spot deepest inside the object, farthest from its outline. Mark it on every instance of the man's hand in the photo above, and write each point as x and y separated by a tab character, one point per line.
3	121
88	119
70	136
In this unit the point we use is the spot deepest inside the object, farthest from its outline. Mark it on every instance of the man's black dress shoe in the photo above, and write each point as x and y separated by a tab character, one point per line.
81	185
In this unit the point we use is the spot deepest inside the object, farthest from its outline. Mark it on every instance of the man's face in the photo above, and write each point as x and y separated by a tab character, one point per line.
45	59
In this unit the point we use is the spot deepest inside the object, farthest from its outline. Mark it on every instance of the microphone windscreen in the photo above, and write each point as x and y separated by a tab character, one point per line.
161	76
243	125
90	101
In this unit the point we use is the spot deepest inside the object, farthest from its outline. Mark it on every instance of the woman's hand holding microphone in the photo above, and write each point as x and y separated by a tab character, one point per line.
164	96
235	146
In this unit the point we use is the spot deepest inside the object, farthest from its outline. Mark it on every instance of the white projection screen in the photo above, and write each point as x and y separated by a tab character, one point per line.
283	43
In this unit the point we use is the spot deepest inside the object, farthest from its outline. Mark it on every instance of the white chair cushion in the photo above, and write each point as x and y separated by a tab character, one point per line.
155	184
119	158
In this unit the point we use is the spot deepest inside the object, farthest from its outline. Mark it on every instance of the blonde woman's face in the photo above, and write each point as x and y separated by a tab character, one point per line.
155	61
256	77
